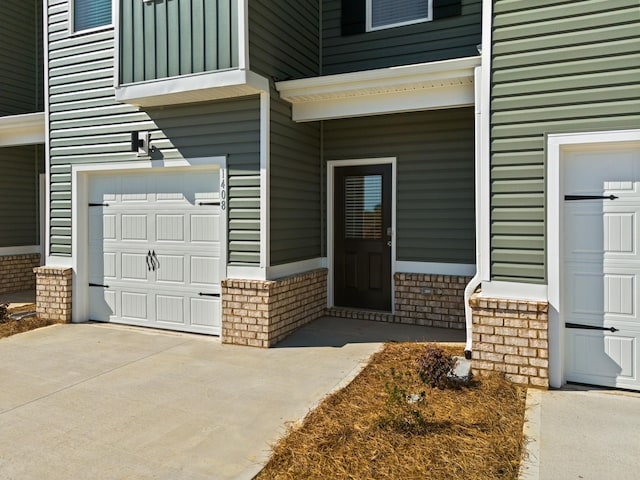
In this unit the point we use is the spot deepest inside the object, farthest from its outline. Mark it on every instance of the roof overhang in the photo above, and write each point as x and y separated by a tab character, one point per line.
425	86
201	87
26	129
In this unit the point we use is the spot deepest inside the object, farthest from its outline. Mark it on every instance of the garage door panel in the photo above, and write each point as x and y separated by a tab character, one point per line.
170	309
170	228
601	265
171	268
134	267
205	312
205	270
134	305
157	214
134	227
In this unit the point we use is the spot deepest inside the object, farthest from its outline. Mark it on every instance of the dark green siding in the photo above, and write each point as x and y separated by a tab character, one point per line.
284	38
442	39
87	125
179	37
558	66
295	177
435	184
19	198
21	88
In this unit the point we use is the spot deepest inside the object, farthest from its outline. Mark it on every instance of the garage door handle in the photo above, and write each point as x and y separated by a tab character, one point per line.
591	327
209	294
149	261
155	261
98	285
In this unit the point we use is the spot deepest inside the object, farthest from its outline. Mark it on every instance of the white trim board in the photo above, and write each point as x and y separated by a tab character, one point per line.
435	268
426	86
198	87
294	268
21	250
331	166
26	129
557	145
81	175
515	291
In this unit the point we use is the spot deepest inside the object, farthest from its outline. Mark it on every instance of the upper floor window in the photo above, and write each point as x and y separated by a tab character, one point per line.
89	14
394	13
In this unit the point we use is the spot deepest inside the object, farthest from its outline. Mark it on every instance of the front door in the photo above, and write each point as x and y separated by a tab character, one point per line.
601	283
362	237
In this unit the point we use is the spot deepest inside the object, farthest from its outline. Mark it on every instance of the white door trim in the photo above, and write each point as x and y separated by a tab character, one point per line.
331	166
80	175
557	145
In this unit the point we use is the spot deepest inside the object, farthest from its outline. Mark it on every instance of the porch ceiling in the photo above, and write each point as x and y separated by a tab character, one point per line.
445	84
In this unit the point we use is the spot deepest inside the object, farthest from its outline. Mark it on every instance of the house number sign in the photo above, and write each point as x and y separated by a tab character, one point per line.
223	195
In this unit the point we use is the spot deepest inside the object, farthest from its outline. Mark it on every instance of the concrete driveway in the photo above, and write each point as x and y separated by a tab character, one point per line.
581	432
110	402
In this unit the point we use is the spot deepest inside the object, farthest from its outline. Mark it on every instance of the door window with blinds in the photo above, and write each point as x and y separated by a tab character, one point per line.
363	207
90	14
394	13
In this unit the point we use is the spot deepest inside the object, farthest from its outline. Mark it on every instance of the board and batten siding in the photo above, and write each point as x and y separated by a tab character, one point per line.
435	176
558	67
284	41
295	187
21	89
442	39
179	37
88	126
19	199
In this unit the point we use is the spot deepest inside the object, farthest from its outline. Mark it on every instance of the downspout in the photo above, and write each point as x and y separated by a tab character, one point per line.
477	278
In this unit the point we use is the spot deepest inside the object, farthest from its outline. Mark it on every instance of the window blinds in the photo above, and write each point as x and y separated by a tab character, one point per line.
391	12
91	14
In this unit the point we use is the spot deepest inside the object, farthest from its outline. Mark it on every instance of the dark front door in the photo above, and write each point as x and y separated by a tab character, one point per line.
362	237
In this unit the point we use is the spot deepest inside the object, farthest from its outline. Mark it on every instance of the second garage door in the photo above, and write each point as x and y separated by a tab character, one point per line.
155	250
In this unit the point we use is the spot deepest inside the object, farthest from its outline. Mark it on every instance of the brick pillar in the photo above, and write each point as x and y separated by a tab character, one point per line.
260	313
511	336
53	293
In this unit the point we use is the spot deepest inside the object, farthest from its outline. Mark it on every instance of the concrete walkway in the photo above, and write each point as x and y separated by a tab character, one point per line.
110	402
582	433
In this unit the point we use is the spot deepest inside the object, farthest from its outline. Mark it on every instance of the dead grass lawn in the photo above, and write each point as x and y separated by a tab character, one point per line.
20	326
369	431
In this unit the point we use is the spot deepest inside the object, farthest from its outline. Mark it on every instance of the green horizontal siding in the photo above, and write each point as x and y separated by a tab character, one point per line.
442	39
19	198
21	86
88	126
558	66
435	184
295	187
178	37
284	38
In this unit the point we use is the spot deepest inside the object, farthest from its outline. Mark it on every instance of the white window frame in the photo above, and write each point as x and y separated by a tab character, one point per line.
72	24
371	28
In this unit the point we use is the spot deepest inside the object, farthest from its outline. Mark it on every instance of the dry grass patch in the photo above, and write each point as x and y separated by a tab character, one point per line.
369	430
10	326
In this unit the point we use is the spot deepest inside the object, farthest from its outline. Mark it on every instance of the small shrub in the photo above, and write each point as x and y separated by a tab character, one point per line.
3	311
404	412
433	366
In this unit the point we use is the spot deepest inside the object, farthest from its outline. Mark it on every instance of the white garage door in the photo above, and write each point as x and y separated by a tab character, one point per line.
601	283
154	250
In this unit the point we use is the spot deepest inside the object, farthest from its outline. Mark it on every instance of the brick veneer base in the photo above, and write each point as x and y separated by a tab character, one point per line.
261	313
511	336
53	293
441	306
16	272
